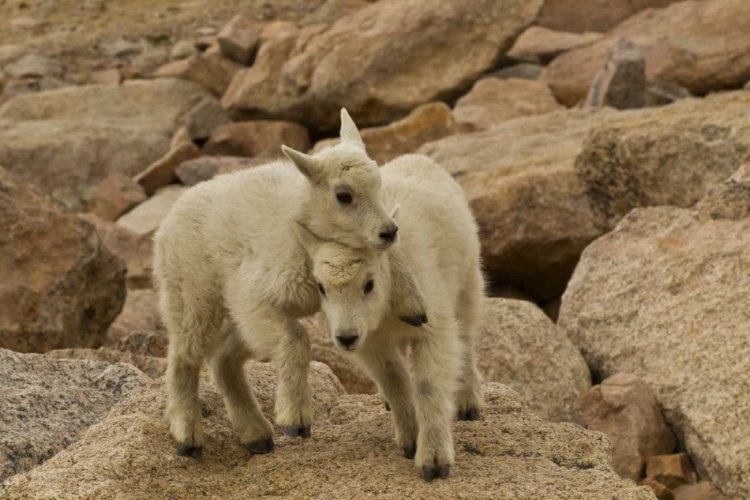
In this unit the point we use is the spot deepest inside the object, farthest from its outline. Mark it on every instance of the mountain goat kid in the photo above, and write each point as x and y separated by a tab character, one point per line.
233	278
438	251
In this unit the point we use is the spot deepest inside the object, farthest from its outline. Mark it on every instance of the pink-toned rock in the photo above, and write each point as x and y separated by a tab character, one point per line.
134	249
154	344
151	366
162	172
380	62
140	313
428	122
146	217
257	138
702	46
624	408
546	44
592	15
239	39
114	196
212	71
331	11
621	82
492	101
60	286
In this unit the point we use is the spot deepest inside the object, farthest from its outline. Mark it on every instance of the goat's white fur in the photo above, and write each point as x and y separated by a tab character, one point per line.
233	278
438	256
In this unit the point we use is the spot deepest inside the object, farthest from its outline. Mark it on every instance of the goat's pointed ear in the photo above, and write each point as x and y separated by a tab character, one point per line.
310	241
304	163
407	300
349	132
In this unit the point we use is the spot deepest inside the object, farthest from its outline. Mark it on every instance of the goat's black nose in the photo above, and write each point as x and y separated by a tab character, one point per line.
347	340
389	235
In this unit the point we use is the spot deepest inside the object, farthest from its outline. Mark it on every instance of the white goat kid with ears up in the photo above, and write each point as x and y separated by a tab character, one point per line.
437	258
233	279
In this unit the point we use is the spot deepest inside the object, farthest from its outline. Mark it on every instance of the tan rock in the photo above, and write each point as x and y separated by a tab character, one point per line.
91	131
147	216
106	77
669	280
621	81
520	347
701	46
342	460
492	101
173	69
623	407
60	286
151	366
239	40
441	47
134	249
533	214
204	119
204	168
661	491
23	86
152	344
34	66
12	53
162	172
47	403
140	313
671	470
114	196
257	138
592	15
428	122
331	11
212	71
663	93
704	490
182	50
524	71
180	138
546	44
664	156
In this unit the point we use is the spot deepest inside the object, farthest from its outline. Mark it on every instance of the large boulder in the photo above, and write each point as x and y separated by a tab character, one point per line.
493	100
700	45
145	218
592	15
59	286
664	297
666	156
511	453
379	62
534	218
69	139
519	346
46	403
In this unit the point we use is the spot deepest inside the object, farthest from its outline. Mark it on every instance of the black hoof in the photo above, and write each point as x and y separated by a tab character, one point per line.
410	451
185	450
469	415
444	471
387	406
260	447
430	473
297	431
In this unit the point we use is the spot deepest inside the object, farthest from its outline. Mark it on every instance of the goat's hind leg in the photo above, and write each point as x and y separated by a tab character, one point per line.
256	433
469	396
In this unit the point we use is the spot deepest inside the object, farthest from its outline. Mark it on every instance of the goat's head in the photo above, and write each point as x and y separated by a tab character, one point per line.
345	203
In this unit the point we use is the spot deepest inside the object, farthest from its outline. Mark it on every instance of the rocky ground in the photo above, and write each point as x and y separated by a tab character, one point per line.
604	147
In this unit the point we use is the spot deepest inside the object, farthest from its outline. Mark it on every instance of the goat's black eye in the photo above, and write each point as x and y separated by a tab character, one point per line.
344	198
369	286
321	290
